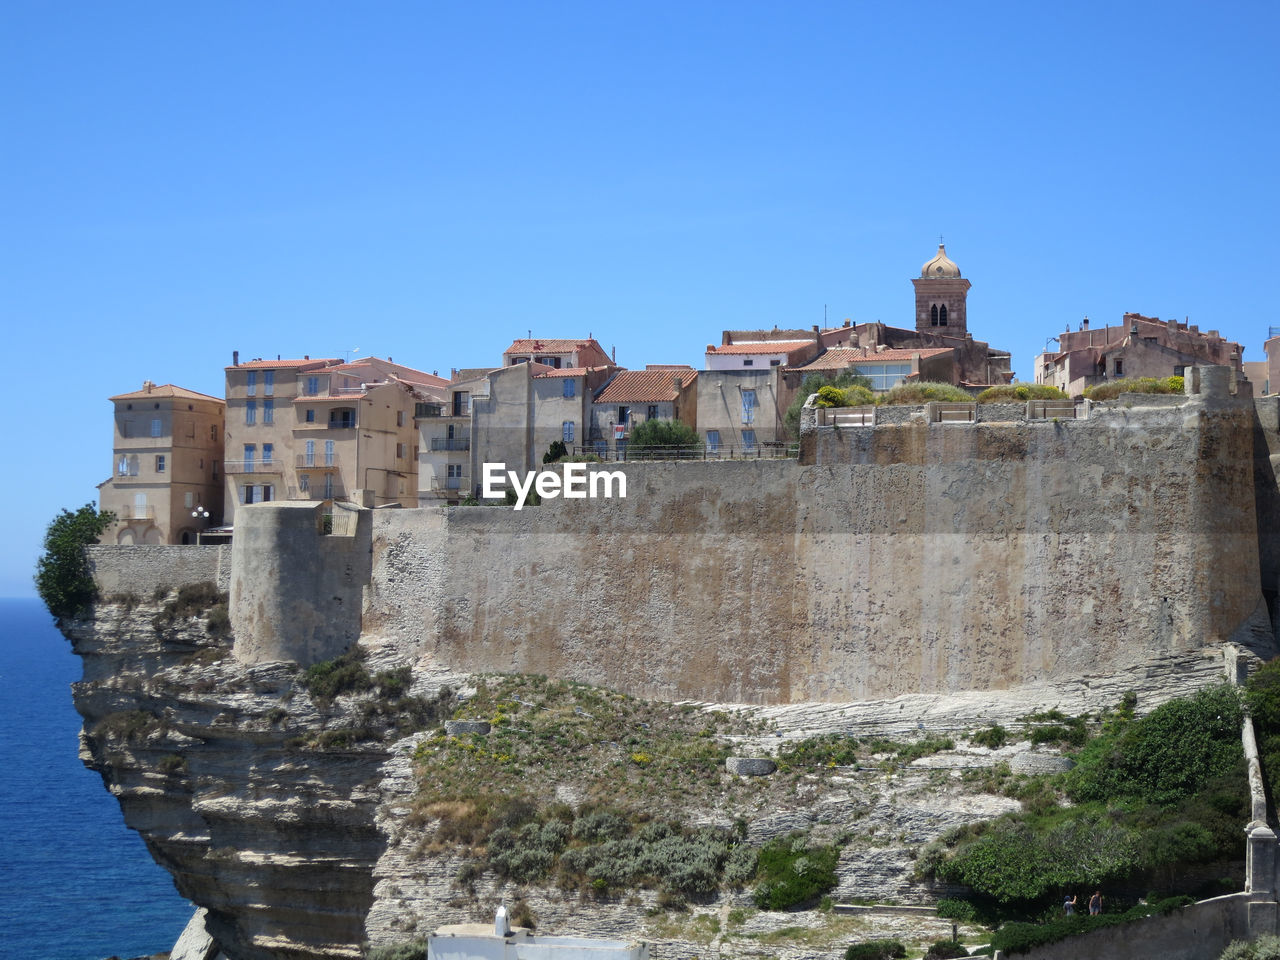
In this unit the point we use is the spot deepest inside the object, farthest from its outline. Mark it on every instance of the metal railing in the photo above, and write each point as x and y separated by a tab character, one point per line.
449	486
136	512
450	443
273	465
317	461
766	450
342	424
953	412
1051	410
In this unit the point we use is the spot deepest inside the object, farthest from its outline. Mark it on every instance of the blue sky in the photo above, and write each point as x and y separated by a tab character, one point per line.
429	181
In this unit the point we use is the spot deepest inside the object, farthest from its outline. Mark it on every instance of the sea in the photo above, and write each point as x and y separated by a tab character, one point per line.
75	883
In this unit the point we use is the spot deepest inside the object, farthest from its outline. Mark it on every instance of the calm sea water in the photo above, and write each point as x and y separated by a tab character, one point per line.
75	883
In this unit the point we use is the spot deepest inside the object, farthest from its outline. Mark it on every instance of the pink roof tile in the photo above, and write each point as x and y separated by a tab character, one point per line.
644	386
166	391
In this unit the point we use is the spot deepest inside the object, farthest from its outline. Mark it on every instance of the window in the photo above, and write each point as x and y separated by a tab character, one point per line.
122	467
268	411
748	439
624	414
884	375
570	388
309	458
342	418
267	452
328	453
566	431
453	470
713	441
328	486
246	494
401	450
1119	368
311	416
775	363
133	465
749	362
268	492
213	432
189	428
942	315
304	482
157	428
126	428
1181	371
268	382
215	470
251	385
250	412
748	406
399	418
159	463
250	452
461	403
189	500
313	386
652	412
933	315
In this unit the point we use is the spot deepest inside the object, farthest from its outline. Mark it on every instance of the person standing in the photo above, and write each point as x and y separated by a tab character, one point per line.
1095	903
1069	906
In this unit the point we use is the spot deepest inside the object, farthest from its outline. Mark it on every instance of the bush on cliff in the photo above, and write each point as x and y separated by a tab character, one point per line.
657	437
62	578
1020	393
1266	947
924	391
814	382
1113	389
1262	696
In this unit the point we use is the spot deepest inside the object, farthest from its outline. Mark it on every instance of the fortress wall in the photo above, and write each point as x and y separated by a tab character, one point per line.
142	568
908	558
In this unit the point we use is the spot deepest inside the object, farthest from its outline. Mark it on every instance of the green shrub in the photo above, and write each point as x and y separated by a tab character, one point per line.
961	911
1113	388
925	391
218	623
793	873
876	950
172	763
832	749
194	600
1020	393
556	452
1266	947
1164	757
994	737
924	747
62	577
1022	937
946	950
344	674
814	382
663	435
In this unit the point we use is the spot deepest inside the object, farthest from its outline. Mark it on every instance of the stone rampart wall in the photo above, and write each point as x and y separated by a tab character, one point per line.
908	558
140	569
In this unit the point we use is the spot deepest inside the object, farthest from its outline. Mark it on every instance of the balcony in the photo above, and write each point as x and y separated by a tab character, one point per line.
317	461
450	486
274	465
450	443
136	512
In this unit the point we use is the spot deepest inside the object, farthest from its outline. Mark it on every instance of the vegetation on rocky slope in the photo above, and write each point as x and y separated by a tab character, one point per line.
63	579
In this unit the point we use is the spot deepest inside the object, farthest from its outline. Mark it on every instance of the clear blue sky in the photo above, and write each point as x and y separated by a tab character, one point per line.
429	180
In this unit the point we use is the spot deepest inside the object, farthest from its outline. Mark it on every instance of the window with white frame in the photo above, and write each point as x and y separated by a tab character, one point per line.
328	453
157	427
309	458
159	463
268	382
250	454
713	441
268	454
748	406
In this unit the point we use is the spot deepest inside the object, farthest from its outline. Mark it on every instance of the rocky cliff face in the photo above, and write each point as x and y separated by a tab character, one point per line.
305	825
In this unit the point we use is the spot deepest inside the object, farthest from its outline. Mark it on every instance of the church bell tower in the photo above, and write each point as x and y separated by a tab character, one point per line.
940	297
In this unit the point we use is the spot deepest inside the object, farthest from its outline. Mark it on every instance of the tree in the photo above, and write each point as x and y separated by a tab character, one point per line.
556	452
62	578
659	435
811	385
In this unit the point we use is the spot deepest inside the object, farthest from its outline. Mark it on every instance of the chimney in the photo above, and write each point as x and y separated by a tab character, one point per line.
725	339
235	358
1084	324
147	386
846	321
306	356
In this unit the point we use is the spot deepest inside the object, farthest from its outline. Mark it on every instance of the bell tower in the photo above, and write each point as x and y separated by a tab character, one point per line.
940	297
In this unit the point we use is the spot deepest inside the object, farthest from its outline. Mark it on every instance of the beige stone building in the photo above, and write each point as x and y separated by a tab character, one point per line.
165	485
1137	347
324	430
630	397
509	414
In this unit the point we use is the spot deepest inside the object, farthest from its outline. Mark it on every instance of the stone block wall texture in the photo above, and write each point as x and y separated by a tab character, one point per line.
141	569
908	558
295	591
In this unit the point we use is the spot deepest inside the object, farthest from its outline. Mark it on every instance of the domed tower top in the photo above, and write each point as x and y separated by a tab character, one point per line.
941	266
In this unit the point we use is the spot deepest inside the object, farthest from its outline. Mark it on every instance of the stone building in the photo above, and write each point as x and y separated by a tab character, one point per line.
323	430
1138	347
658	392
167	452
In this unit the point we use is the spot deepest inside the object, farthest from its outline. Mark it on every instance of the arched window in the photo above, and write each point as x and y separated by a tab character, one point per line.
942	316
933	315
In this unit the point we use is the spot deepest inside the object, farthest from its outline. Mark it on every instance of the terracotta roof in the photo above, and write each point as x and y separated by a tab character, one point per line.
166	391
761	346
409	374
565	372
549	346
644	386
472	373
843	357
298	364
